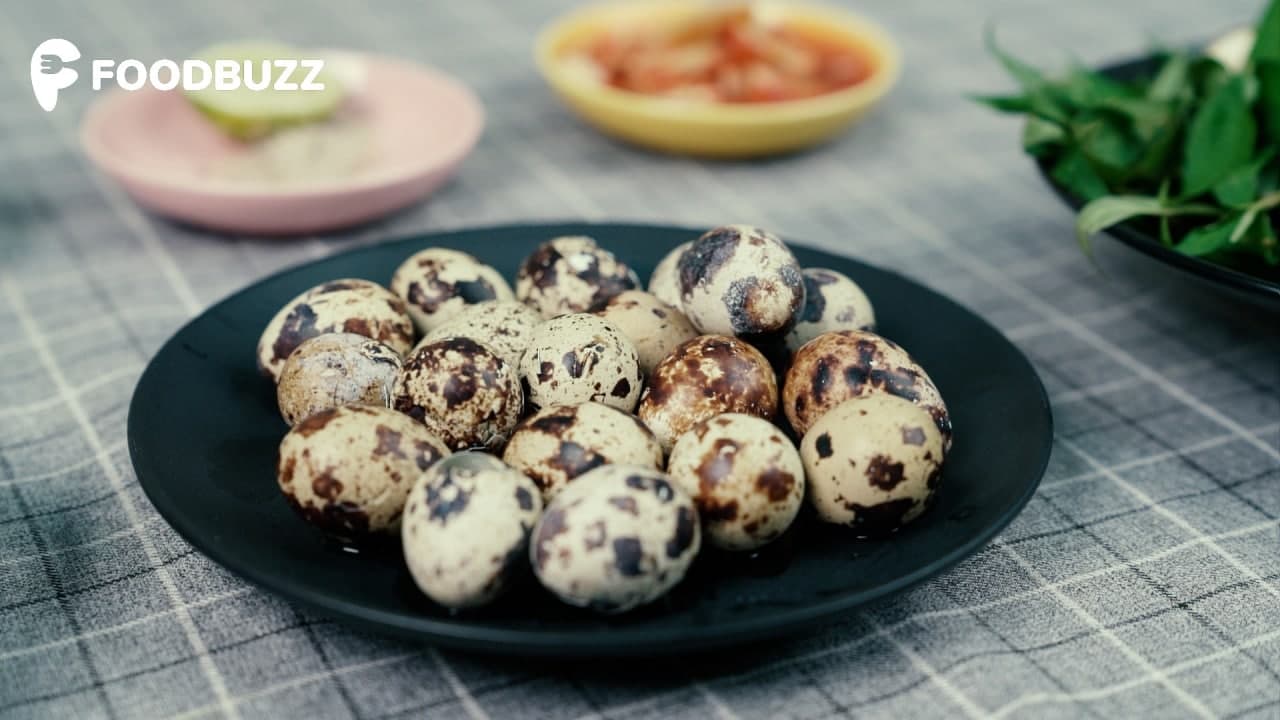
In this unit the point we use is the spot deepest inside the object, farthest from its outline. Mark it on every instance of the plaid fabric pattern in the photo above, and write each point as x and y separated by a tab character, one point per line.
1142	580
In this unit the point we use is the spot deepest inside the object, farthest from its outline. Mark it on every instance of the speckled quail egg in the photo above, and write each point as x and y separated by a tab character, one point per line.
348	305
872	463
831	302
664	283
740	280
654	327
437	283
744	475
616	538
836	366
462	391
580	358
335	369
349	469
557	444
571	274
704	377
505	326
466	529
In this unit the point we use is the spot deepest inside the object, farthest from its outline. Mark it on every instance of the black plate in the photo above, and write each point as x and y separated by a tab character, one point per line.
1257	284
203	430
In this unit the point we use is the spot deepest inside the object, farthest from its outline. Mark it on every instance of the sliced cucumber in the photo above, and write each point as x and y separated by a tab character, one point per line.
250	114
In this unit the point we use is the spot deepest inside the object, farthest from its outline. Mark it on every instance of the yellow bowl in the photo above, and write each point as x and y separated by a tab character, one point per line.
714	129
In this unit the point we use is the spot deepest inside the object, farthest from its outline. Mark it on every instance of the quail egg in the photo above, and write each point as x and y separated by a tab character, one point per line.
704	377
872	463
654	327
664	283
437	283
335	369
740	280
580	358
571	274
836	366
744	475
349	469
348	305
466	529
559	443
505	326
462	391
616	538
831	302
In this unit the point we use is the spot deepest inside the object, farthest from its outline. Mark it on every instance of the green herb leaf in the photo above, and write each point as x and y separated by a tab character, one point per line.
1004	103
1266	45
1085	88
1240	186
1268	74
1171	82
1110	210
1209	239
1074	173
1040	137
1219	139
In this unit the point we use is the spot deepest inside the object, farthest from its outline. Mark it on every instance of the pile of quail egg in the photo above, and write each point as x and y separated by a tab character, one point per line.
597	432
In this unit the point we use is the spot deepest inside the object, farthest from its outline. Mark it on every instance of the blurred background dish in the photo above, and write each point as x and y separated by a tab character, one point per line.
400	133
715	80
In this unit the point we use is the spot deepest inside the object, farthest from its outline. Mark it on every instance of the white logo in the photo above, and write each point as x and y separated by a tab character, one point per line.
48	75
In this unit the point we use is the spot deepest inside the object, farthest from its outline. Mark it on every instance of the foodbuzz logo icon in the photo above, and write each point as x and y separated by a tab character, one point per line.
50	73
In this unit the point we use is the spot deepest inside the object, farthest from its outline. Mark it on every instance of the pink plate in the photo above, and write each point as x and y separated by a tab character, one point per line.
418	124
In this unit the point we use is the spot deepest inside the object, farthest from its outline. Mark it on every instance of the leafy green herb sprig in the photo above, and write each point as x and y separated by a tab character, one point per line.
1193	147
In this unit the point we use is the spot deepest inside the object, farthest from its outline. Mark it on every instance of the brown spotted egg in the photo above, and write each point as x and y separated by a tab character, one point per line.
664	283
335	369
740	280
571	274
462	391
348	469
581	358
557	444
654	327
872	463
466	529
616	538
348	305
745	477
837	366
704	377
505	326
831	302
437	283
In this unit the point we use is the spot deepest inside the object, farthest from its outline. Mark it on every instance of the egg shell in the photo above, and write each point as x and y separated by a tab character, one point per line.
704	377
664	282
831	302
504	326
740	280
348	470
335	369
462	391
438	283
654	327
581	358
557	444
348	305
616	538
837	366
744	475
571	274
872	463
466	529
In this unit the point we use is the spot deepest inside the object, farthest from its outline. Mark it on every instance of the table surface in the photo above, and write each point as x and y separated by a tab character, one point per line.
1142	579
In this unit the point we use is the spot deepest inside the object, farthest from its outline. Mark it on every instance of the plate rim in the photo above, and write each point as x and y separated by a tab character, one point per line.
635	642
1219	275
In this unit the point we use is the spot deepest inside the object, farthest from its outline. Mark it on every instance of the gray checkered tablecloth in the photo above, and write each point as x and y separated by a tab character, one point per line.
1142	580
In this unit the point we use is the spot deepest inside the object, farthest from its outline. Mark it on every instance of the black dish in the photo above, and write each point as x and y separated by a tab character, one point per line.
1263	289
203	431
